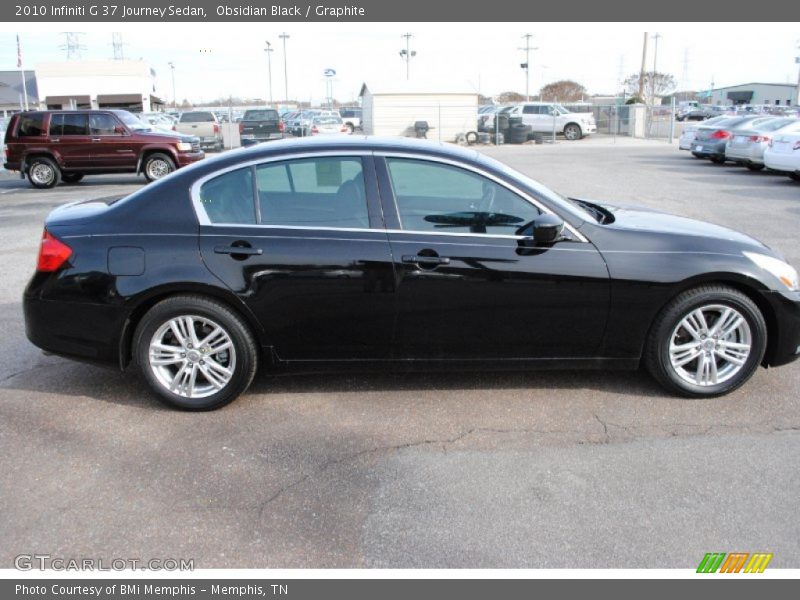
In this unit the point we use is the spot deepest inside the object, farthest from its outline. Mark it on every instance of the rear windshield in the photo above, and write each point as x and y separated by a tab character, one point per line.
261	115
32	124
198	117
327	121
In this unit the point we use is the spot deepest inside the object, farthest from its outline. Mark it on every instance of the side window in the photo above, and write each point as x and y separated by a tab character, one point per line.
435	197
102	124
69	124
31	125
530	110
313	192
229	198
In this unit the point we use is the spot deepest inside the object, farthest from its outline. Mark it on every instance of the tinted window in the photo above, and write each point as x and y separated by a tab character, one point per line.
261	115
229	198
436	197
197	117
314	192
31	124
69	124
531	110
102	124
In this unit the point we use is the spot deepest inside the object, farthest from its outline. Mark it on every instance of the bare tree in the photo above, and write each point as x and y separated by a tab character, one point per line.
664	83
564	90
506	97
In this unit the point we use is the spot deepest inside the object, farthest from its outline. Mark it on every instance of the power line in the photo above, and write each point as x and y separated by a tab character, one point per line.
118	45
72	44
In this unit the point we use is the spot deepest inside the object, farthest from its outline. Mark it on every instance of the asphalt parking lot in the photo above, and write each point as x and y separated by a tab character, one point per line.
544	469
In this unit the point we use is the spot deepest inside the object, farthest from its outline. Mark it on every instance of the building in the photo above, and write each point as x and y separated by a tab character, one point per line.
393	109
127	84
782	94
12	92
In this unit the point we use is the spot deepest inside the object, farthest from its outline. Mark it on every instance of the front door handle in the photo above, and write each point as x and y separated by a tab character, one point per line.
416	259
95	139
242	250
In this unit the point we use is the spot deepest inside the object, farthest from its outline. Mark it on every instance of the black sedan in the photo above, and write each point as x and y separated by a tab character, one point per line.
398	254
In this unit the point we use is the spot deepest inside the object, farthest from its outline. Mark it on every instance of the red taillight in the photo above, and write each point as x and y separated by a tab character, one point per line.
720	134
759	138
241	128
53	253
343	129
174	128
216	128
314	129
281	126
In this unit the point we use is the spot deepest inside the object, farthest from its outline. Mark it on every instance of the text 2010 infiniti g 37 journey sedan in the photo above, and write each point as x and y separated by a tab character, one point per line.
398	253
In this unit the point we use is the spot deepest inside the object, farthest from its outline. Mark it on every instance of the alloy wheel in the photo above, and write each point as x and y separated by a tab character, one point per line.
42	174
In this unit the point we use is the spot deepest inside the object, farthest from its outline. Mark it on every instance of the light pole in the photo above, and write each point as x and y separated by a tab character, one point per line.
174	97
797	61
284	36
407	53
656	37
268	50
527	65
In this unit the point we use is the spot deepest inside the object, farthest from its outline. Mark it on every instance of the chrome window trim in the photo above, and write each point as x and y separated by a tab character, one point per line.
203	219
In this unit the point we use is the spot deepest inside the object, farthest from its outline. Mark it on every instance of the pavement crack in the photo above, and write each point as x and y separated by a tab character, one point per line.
21	372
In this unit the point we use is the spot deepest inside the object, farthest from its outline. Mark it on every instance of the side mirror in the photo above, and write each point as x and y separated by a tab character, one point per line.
544	229
119	130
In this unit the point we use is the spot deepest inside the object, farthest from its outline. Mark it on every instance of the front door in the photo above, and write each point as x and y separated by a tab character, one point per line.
467	288
309	257
112	146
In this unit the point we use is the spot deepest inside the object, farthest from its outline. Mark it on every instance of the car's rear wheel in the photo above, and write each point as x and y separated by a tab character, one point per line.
43	172
754	166
707	342
573	132
795	176
195	353
350	128
71	177
718	160
157	165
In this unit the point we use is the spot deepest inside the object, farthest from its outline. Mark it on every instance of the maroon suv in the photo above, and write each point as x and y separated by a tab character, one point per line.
51	146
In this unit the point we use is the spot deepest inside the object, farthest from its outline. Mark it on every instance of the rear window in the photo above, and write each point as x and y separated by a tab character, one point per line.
32	124
261	115
198	117
327	121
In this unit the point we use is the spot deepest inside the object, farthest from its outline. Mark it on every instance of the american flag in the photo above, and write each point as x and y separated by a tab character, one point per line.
19	54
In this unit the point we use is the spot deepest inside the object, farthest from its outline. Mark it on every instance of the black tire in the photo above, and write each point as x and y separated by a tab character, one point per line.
472	137
795	176
573	132
718	160
157	165
71	177
43	172
696	155
244	357
656	357
350	128
754	166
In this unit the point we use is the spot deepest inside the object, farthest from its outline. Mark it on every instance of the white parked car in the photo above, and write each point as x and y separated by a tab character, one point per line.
747	147
540	115
783	154
329	125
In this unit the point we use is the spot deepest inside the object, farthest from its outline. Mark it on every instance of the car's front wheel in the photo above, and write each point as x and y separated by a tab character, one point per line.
157	165
707	342
573	132
195	353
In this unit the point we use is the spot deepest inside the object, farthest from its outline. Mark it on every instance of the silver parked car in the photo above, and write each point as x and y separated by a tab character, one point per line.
690	129
746	147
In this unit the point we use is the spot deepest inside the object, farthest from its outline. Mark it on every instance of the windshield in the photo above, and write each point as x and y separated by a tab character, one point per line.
131	121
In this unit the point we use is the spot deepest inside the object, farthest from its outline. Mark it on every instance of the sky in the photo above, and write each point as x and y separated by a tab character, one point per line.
220	59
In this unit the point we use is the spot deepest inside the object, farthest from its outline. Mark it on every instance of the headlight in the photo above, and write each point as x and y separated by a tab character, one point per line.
184	147
785	272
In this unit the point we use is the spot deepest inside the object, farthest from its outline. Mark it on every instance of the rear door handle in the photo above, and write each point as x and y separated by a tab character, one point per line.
245	250
416	259
95	139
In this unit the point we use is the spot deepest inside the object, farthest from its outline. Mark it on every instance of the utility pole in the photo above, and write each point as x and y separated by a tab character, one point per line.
268	50
407	53
644	66
797	61
174	97
656	37
527	65
284	36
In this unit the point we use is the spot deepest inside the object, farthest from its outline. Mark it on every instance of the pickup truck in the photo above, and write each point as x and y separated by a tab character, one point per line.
260	125
540	116
202	124
351	115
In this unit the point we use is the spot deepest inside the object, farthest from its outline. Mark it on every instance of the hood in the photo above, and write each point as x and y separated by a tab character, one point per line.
173	135
631	217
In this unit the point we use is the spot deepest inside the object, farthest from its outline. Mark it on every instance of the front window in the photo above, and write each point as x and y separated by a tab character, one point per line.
446	199
103	124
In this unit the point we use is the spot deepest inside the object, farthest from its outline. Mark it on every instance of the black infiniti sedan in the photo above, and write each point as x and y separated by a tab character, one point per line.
400	254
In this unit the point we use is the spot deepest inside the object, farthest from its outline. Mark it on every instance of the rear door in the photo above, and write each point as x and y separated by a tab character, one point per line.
467	288
69	137
310	256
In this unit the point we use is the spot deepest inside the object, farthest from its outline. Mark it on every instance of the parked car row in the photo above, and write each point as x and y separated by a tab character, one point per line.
755	142
540	117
